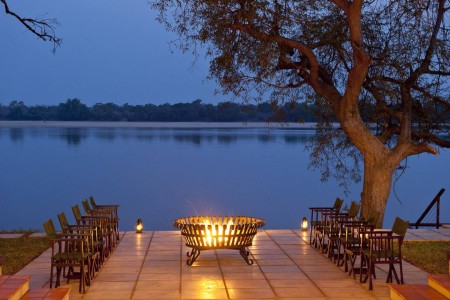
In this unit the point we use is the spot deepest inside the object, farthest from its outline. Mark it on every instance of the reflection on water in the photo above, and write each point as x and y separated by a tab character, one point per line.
16	135
159	175
76	136
73	136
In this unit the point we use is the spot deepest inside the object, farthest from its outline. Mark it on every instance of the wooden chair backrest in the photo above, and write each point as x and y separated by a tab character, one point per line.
338	204
87	208
63	221
77	213
93	204
353	210
50	229
372	218
400	227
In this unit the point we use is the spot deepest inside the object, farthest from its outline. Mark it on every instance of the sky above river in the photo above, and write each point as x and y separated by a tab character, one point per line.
112	51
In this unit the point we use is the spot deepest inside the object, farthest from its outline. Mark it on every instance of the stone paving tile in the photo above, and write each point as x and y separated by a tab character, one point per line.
293	283
156	276
152	265
298	292
257	293
107	295
243	276
246	283
156	294
157	284
107	285
210	284
206	293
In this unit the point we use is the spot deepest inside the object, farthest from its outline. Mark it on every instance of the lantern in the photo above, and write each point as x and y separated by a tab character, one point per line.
139	226
304	224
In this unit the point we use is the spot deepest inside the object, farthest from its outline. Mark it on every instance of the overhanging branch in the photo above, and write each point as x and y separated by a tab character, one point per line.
44	29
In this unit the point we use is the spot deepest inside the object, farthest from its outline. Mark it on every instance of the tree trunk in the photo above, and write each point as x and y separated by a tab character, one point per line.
378	174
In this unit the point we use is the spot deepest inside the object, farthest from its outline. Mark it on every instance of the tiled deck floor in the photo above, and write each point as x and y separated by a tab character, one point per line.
152	265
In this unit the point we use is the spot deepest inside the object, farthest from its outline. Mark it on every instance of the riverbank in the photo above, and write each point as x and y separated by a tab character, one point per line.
90	124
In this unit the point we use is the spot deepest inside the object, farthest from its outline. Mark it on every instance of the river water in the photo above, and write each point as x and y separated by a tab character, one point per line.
160	174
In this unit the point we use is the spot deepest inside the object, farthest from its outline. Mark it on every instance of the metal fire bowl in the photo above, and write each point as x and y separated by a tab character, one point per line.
217	232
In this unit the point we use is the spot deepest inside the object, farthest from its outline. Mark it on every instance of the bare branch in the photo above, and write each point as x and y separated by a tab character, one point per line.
425	65
432	139
432	97
323	88
342	4
44	29
441	73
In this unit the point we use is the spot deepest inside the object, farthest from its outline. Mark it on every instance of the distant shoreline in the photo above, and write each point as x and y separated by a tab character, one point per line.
91	124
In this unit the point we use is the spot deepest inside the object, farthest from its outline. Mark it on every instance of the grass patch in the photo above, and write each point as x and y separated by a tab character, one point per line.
430	256
18	252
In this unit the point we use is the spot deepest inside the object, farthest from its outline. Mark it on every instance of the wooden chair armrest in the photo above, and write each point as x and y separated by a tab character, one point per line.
316	208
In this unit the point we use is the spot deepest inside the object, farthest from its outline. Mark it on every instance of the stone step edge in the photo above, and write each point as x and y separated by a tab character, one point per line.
414	292
60	293
14	287
441	283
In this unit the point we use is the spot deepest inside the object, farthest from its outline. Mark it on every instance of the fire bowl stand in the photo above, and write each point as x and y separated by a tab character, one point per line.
195	252
208	233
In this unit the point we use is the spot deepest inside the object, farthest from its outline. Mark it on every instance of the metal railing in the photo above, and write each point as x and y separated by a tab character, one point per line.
436	201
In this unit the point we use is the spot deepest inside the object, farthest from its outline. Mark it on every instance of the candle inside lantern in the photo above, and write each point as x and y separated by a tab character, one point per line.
139	226
304	224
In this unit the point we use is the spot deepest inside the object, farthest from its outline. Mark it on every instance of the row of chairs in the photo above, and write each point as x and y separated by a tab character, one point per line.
344	237
79	250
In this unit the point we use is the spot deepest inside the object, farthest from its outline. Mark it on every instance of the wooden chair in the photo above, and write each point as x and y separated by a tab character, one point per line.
113	209
96	243
317	220
351	243
102	222
71	251
332	235
384	247
107	212
68	251
326	234
52	235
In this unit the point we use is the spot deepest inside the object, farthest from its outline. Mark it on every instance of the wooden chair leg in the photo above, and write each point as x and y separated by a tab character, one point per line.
401	273
51	275
371	266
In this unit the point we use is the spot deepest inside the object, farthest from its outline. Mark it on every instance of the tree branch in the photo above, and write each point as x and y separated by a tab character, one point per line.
44	29
432	97
324	89
432	138
342	4
425	65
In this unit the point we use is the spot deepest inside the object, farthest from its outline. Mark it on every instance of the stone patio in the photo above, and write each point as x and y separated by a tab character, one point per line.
152	265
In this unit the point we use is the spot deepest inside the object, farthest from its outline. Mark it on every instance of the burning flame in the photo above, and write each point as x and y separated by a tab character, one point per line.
216	234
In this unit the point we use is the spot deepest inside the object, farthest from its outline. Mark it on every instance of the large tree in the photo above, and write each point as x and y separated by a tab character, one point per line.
381	67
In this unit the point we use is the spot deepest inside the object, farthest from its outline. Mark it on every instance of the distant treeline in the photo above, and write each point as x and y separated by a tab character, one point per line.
196	111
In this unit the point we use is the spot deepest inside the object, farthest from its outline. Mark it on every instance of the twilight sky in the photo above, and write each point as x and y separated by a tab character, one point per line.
113	51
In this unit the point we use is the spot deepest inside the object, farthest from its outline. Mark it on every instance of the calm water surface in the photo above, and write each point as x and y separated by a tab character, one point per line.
162	174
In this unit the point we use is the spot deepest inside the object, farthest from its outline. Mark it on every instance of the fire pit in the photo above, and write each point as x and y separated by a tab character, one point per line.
207	233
